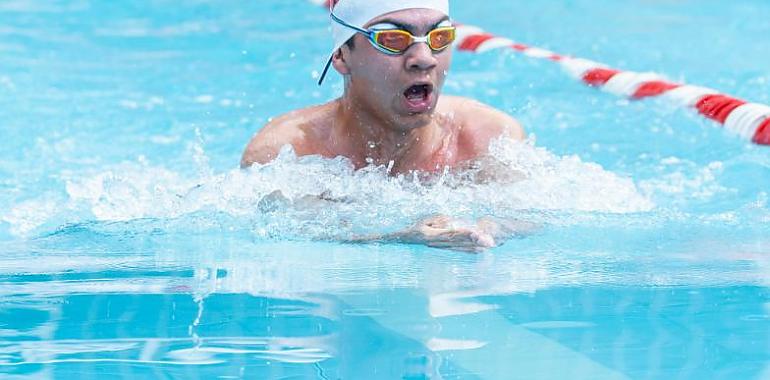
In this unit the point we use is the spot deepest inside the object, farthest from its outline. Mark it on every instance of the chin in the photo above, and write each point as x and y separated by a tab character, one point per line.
408	118
410	121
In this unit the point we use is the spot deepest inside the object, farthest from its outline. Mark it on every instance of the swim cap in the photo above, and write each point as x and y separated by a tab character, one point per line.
360	12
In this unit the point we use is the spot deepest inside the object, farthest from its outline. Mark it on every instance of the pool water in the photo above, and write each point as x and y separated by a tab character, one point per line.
133	246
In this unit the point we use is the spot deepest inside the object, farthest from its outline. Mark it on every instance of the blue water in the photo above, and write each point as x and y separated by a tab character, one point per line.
132	246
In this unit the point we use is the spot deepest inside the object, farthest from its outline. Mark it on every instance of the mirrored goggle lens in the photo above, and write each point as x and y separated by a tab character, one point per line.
441	38
398	41
394	40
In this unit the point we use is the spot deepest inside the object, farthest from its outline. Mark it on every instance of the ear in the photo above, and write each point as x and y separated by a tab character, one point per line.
339	62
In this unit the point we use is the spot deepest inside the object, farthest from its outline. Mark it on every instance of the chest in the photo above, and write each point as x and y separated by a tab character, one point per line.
431	154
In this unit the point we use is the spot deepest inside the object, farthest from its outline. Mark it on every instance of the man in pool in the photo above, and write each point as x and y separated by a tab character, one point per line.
394	56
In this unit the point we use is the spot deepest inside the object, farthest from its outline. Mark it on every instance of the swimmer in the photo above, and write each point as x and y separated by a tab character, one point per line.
394	56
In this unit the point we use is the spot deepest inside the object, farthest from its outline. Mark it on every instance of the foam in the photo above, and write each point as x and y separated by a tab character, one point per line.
684	181
281	199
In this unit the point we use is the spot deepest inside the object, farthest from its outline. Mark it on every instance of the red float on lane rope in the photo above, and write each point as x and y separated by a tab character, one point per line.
763	133
718	107
472	43
654	88
599	77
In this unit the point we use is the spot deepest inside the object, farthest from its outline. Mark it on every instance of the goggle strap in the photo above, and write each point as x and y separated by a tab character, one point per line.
343	23
326	70
372	39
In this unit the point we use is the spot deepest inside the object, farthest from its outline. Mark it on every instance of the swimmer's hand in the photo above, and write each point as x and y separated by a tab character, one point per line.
445	232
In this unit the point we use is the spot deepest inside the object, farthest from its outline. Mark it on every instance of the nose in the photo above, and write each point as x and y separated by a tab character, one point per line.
419	57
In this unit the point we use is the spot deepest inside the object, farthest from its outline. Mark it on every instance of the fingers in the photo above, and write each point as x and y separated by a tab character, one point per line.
440	232
484	240
465	240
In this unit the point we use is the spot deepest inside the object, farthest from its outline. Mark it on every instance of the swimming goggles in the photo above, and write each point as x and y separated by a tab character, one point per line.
397	41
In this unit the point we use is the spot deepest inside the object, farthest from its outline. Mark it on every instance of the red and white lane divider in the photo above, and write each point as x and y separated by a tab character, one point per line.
751	121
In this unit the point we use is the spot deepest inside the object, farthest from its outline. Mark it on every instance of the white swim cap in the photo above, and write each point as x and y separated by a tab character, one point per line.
360	12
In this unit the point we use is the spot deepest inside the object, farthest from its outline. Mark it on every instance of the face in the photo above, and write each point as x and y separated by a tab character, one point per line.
401	89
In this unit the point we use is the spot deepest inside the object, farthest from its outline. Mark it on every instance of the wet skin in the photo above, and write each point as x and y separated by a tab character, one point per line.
371	121
379	120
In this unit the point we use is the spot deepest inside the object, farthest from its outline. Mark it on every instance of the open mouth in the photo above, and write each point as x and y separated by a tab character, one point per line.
418	97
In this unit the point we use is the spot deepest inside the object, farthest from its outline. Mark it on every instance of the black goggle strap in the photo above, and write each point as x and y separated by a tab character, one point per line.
343	23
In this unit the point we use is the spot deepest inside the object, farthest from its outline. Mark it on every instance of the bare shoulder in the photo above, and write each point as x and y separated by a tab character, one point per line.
288	129
480	123
478	117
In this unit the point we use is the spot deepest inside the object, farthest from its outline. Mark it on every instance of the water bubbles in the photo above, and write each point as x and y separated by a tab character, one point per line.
204	99
316	198
199	156
685	180
130	104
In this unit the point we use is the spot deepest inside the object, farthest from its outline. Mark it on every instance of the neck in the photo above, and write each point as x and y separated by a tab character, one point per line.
375	139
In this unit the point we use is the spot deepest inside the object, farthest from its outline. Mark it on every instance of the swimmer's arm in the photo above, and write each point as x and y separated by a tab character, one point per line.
445	232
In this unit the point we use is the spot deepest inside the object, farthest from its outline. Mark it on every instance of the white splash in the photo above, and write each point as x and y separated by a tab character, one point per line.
312	196
686	179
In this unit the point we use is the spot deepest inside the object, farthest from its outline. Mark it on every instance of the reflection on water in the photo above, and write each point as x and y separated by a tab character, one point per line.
298	310
130	247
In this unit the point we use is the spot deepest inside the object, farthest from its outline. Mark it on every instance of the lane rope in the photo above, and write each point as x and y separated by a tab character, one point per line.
750	121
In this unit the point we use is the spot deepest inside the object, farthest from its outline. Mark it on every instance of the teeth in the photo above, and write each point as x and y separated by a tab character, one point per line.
415	96
417	92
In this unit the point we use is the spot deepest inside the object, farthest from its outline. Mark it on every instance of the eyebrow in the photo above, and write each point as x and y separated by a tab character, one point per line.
410	27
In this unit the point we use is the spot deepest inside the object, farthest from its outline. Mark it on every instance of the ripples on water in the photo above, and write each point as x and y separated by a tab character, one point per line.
130	248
